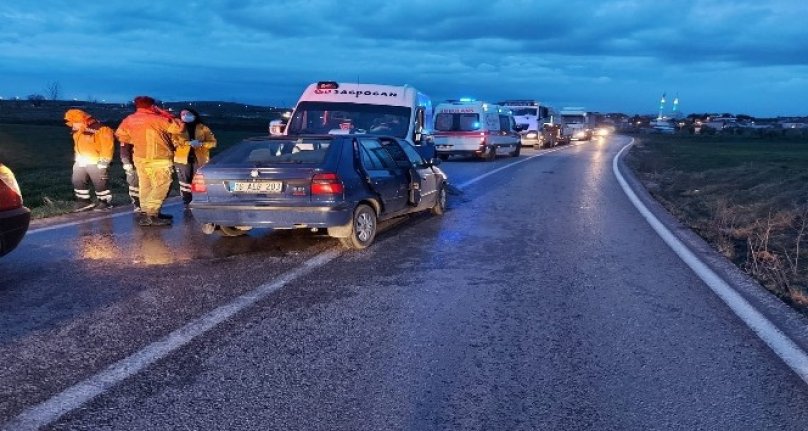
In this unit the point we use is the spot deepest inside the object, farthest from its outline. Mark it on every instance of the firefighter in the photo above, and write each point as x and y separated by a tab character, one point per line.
127	159
94	146
192	150
149	130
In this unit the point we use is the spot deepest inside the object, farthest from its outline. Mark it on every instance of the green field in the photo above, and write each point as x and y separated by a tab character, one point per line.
746	196
41	156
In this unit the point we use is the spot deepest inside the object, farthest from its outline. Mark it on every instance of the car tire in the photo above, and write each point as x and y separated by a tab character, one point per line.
231	231
516	152
440	204
363	228
443	157
208	228
491	154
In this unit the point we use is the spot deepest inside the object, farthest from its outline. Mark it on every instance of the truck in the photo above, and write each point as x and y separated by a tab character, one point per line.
329	107
575	124
530	116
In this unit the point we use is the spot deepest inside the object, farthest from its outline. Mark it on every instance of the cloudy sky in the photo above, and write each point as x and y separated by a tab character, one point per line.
741	56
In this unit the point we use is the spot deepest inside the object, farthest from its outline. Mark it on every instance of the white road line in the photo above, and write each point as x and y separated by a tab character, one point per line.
51	410
79	394
88	220
780	343
509	165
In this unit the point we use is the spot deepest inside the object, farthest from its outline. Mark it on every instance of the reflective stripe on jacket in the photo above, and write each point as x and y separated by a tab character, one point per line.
93	143
182	142
150	134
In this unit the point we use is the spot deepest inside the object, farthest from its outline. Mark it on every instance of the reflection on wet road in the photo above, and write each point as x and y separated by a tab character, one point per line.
540	300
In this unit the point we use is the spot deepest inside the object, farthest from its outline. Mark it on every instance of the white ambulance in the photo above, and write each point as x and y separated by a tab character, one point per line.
474	128
336	108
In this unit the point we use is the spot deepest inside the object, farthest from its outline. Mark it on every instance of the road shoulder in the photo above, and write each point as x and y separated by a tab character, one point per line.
789	321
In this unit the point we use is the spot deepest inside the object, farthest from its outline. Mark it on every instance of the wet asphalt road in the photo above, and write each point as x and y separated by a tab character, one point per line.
541	300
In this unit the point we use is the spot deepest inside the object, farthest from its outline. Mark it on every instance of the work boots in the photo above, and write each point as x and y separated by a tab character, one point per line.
102	205
83	205
150	220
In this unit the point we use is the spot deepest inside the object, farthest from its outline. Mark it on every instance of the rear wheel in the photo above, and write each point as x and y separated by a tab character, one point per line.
208	228
363	228
516	152
491	155
440	203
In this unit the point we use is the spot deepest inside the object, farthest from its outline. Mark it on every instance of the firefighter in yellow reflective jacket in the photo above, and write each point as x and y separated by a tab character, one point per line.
192	150
94	146
149	130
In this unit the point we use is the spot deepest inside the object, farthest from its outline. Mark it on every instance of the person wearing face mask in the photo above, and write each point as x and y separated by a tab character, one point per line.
193	150
93	146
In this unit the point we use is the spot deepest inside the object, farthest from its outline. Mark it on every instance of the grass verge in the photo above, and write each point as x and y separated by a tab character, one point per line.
748	197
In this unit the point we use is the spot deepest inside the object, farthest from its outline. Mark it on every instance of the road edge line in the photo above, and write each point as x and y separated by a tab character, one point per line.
780	343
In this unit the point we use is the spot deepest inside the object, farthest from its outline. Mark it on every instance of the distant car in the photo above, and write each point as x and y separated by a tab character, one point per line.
14	217
343	183
604	131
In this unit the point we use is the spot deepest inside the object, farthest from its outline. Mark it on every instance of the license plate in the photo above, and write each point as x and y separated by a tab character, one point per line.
257	186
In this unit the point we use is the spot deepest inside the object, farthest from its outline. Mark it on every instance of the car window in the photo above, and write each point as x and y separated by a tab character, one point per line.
396	153
413	156
271	151
373	156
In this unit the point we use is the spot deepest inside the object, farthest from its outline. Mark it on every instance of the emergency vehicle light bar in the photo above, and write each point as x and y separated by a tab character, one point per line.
327	85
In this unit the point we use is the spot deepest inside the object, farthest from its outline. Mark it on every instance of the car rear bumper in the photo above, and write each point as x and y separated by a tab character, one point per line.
13	226
275	217
528	142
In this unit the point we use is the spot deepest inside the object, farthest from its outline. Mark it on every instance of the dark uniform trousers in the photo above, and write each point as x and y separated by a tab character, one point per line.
83	175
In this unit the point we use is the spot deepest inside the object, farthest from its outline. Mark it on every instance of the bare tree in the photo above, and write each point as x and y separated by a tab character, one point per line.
36	99
52	90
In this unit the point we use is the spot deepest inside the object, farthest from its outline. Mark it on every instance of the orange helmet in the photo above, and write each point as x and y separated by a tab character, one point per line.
76	116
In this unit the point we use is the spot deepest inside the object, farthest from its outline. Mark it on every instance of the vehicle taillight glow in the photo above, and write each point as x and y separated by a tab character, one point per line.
326	183
198	184
10	196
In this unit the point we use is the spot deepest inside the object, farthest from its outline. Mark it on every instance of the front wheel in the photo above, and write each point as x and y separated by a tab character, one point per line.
440	202
363	228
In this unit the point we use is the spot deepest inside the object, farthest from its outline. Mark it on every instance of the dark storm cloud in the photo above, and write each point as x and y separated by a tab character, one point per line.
609	55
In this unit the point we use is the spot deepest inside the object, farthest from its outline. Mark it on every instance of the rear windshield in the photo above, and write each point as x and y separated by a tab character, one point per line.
264	152
465	122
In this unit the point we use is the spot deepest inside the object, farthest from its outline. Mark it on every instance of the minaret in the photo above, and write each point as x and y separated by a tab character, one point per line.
661	107
675	110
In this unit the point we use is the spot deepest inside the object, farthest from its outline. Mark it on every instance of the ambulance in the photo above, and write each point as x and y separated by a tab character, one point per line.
329	107
468	127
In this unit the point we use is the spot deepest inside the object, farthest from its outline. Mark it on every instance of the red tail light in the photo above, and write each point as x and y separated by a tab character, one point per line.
198	184
10	196
9	199
326	184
